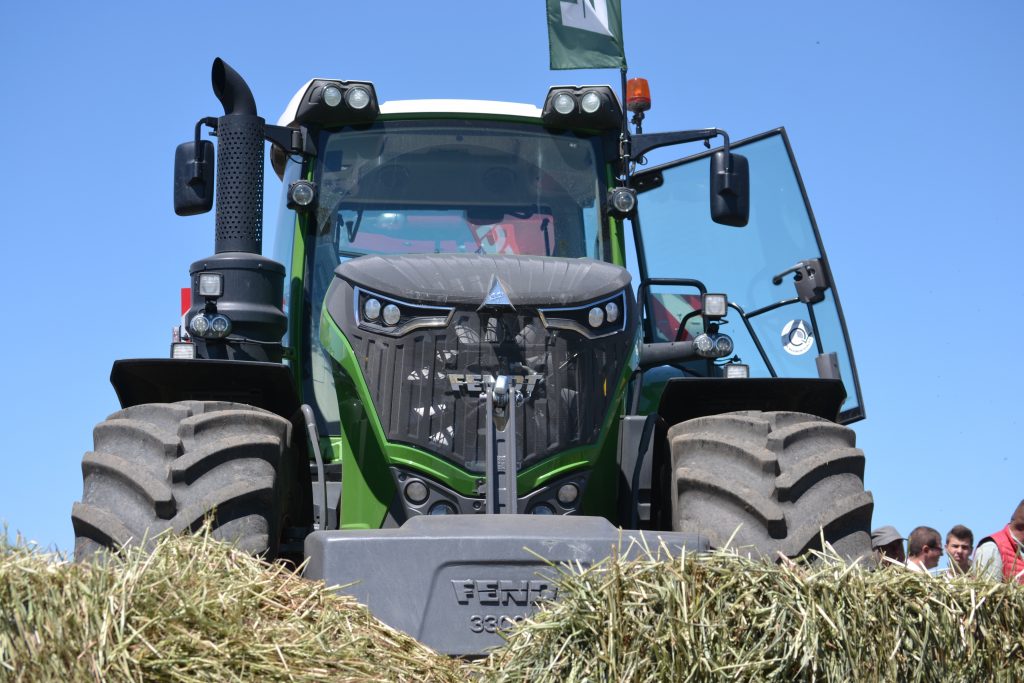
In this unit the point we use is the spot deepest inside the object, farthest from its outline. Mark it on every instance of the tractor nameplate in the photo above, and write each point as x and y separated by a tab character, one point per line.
475	384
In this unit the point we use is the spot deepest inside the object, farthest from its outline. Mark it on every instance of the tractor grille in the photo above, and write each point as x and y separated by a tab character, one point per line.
425	385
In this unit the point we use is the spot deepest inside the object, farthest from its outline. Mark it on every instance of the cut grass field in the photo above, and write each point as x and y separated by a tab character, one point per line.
197	610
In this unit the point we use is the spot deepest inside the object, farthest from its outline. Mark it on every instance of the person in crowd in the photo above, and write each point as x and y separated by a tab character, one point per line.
924	548
1000	556
959	545
887	546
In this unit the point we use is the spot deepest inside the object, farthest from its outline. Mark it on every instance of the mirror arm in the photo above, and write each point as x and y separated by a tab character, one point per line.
291	140
641	144
198	161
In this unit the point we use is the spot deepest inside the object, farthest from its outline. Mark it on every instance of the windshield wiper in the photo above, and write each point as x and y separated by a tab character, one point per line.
352	227
547	242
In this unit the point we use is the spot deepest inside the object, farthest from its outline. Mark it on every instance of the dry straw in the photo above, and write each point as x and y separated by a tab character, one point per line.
197	610
192	610
722	616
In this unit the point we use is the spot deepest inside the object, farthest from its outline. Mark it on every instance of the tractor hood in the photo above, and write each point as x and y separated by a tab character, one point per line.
464	318
467	279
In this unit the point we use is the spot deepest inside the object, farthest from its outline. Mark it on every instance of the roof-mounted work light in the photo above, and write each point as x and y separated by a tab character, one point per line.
593	107
338	103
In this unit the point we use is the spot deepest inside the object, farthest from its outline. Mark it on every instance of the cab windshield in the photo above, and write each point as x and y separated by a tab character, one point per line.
462	186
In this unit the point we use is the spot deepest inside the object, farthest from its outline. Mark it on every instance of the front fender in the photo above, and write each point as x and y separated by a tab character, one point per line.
166	380
686	398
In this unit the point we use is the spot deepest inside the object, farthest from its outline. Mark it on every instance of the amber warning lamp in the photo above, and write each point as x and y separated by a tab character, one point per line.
638	95
638	100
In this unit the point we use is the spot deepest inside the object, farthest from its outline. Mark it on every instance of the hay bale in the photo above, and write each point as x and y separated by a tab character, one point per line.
197	610
725	617
193	610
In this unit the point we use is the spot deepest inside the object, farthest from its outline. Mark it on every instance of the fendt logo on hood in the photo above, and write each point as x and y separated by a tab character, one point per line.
477	384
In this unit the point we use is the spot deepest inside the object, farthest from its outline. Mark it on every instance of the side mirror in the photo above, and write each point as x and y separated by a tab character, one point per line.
730	189
193	178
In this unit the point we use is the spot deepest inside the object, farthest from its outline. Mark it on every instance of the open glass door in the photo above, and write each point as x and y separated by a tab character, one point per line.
784	315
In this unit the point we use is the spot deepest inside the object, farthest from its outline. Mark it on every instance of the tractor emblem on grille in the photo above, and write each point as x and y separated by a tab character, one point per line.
476	384
496	295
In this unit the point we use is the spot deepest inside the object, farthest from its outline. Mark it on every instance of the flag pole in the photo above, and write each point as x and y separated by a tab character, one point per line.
625	142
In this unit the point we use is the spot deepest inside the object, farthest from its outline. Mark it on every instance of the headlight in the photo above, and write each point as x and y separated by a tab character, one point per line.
332	96
220	326
593	107
301	194
591	102
597	319
392	314
567	494
611	311
713	345
199	325
621	201
416	492
564	103
441	508
395	317
371	309
723	345
357	97
337	103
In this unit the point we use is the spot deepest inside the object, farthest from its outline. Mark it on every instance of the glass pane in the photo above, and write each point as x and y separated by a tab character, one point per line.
681	241
460	186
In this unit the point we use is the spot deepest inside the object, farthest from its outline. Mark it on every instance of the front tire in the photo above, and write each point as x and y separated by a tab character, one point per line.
166	466
770	483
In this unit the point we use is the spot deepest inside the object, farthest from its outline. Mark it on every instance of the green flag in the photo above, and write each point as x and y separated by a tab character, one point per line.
585	34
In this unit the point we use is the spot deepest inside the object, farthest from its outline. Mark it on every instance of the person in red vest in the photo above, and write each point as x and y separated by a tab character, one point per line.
1001	555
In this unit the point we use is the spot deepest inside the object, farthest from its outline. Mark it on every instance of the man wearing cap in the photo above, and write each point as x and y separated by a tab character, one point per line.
887	545
1000	556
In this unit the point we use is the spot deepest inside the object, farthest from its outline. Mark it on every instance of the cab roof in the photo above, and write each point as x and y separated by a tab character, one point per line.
401	107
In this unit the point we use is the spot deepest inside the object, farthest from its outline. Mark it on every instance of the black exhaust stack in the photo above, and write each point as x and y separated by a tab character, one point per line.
240	166
252	286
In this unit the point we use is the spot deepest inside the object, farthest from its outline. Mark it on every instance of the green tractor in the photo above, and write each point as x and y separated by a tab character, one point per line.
469	354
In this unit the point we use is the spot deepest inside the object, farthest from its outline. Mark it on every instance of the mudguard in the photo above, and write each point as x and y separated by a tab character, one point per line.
455	582
686	398
166	380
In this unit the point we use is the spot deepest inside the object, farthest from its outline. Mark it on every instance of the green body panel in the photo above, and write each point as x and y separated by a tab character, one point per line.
295	303
367	487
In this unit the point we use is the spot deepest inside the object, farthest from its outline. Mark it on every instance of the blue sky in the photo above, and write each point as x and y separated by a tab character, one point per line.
903	116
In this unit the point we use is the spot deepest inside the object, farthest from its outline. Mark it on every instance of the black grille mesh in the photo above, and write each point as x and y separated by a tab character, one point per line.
413	395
